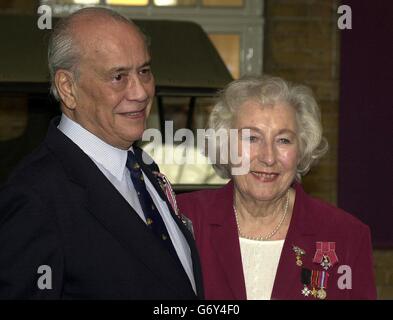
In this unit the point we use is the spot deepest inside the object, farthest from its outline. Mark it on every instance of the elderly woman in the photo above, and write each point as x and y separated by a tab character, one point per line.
261	236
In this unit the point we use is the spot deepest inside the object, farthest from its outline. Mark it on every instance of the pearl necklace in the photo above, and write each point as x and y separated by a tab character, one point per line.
271	234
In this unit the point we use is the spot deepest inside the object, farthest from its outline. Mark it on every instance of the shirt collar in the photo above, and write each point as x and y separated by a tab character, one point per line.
111	158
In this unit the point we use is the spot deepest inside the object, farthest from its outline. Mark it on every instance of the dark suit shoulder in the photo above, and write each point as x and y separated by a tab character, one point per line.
37	169
33	181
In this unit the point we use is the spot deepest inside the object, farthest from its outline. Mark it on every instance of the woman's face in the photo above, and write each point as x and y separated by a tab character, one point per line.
274	149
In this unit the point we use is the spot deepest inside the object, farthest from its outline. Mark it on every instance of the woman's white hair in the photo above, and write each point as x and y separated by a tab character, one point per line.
268	91
63	50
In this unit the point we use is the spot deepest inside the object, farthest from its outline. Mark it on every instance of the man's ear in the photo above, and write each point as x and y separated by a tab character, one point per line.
65	84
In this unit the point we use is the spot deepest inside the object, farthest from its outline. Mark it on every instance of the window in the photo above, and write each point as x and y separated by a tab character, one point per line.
234	26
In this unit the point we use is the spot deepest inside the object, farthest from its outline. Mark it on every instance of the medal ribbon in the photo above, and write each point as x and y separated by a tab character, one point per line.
314	278
323	279
325	249
170	194
306	276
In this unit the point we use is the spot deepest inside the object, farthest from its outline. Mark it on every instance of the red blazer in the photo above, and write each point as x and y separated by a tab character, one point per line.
312	221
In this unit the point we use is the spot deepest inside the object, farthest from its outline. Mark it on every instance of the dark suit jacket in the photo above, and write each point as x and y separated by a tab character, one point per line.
313	220
59	210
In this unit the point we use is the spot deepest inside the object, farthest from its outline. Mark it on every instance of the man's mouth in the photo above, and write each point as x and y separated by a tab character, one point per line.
134	114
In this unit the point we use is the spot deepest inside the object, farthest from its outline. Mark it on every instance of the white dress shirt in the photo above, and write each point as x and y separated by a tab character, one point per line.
112	163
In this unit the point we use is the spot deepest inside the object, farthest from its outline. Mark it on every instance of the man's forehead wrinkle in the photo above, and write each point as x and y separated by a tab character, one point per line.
89	24
95	42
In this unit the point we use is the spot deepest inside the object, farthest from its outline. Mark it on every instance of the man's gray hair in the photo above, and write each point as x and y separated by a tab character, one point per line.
64	52
268	91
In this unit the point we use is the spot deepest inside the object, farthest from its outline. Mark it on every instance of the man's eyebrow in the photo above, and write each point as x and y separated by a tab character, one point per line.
146	64
127	69
119	69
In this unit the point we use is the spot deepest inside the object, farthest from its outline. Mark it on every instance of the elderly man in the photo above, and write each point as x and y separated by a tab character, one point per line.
83	217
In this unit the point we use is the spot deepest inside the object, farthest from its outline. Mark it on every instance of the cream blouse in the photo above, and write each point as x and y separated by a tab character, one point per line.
260	261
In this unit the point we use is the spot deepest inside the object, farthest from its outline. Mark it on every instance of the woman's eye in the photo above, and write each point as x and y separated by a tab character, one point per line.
253	139
284	141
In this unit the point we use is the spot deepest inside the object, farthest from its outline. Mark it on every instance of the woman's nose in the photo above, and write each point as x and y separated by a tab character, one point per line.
267	154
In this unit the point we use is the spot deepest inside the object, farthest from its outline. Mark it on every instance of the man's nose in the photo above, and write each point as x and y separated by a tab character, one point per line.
136	90
267	154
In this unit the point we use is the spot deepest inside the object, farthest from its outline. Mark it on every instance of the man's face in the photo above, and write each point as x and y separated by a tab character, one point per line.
115	90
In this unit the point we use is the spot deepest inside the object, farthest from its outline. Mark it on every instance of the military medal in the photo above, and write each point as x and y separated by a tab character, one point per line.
321	294
325	263
168	190
314	281
322	285
166	187
325	254
299	253
306	280
319	283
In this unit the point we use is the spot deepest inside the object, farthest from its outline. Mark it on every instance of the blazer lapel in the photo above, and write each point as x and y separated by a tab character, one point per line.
114	213
225	242
301	234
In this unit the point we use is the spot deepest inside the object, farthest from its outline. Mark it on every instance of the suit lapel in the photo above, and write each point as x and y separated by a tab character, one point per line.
124	223
225	242
107	205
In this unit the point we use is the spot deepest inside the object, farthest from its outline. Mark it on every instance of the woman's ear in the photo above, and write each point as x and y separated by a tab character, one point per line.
64	81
